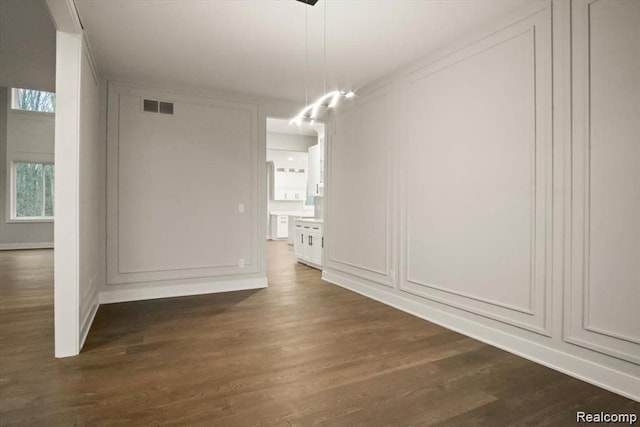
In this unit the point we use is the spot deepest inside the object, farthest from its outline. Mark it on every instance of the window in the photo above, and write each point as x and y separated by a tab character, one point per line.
33	100
33	190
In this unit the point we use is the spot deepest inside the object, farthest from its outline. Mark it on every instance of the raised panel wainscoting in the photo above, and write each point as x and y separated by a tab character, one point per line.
478	174
603	299
180	179
361	163
507	206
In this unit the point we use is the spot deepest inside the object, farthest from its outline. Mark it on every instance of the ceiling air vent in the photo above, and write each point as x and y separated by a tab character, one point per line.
151	106
166	107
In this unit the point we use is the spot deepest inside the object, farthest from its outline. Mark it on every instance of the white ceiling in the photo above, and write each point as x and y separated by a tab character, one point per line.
258	46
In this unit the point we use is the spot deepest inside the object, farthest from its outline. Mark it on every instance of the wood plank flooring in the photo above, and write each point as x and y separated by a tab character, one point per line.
301	352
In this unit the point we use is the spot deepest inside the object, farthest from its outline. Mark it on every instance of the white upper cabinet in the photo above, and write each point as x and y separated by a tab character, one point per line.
288	175
289	183
313	185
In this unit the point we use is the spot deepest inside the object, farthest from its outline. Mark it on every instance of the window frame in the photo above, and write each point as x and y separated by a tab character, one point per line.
13	206
14	102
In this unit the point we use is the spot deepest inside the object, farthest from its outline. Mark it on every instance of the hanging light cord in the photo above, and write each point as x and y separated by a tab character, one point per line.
306	55
324	46
328	100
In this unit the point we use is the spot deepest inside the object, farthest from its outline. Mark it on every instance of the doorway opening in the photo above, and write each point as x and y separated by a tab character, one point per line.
295	190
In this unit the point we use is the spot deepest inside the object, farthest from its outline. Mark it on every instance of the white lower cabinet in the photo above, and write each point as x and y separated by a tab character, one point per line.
279	227
313	248
309	242
298	244
291	233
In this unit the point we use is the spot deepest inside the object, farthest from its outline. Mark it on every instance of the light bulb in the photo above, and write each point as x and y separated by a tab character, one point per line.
314	110
334	100
310	112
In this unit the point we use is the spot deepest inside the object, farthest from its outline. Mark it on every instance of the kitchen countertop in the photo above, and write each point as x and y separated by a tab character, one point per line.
293	213
311	220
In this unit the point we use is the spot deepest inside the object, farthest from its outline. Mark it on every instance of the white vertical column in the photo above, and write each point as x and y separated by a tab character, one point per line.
67	188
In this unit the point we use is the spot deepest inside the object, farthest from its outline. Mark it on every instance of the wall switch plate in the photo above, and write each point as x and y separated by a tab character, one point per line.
241	263
241	207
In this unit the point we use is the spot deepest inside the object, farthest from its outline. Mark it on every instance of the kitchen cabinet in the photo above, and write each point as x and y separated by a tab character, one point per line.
298	245
289	183
321	154
279	226
291	235
309	242
313	182
315	176
293	216
313	247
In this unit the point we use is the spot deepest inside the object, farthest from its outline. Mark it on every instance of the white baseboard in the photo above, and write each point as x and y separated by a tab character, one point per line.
120	294
17	246
599	375
88	320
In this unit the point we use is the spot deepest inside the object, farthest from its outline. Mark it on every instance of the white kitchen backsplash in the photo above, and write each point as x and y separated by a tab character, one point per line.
275	205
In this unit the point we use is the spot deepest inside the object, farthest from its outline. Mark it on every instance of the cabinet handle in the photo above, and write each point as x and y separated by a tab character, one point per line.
302	238
322	242
310	240
317	188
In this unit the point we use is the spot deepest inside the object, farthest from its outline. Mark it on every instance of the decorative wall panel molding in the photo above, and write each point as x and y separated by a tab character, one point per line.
514	228
602	308
360	217
175	187
476	221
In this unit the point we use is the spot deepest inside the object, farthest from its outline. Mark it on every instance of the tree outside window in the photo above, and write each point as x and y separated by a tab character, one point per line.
34	190
34	100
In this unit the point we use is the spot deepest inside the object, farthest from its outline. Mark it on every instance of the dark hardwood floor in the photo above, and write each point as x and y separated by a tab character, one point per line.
300	352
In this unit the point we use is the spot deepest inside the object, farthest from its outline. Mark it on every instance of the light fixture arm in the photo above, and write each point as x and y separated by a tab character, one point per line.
310	112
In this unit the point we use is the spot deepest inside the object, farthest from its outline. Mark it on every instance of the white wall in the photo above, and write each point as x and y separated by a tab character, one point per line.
468	176
24	136
176	184
218	149
290	142
27	45
359	209
602	306
92	194
27	60
80	194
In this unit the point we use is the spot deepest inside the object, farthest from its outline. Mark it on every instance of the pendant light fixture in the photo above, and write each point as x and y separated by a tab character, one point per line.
329	99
